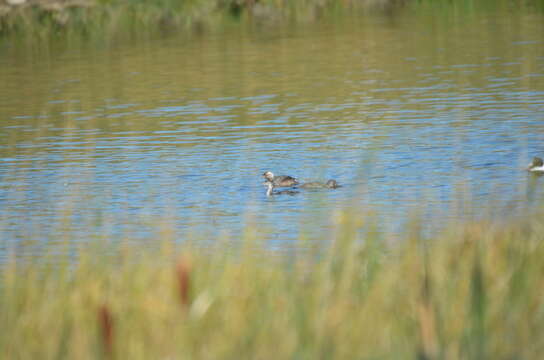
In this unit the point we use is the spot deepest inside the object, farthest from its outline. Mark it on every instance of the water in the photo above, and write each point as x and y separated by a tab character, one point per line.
428	111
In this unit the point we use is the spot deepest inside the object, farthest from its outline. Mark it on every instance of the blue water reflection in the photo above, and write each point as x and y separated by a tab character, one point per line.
181	152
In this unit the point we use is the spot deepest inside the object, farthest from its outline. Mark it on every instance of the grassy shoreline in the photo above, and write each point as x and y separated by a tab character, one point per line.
46	18
58	16
475	292
104	20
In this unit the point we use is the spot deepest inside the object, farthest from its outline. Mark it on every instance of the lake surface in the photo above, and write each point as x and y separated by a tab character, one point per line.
430	110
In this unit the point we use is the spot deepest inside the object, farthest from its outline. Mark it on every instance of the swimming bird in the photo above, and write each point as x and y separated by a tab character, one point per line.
281	180
537	165
270	190
330	184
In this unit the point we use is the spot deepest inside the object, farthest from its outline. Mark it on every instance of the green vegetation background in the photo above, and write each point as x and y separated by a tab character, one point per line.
44	18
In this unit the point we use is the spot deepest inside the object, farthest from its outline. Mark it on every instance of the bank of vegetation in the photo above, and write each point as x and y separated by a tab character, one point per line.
43	18
474	292
55	16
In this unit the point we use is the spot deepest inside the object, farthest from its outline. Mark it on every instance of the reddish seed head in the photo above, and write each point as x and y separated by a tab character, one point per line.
105	320
183	271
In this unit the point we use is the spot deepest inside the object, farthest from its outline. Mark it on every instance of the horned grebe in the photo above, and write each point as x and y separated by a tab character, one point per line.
281	180
537	165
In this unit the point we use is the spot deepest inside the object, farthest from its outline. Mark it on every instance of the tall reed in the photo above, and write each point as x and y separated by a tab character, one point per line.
474	292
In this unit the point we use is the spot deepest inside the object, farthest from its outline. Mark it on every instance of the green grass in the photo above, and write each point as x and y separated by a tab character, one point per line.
114	16
43	19
474	292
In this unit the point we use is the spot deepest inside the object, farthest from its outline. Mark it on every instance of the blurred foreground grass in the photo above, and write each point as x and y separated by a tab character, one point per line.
474	292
